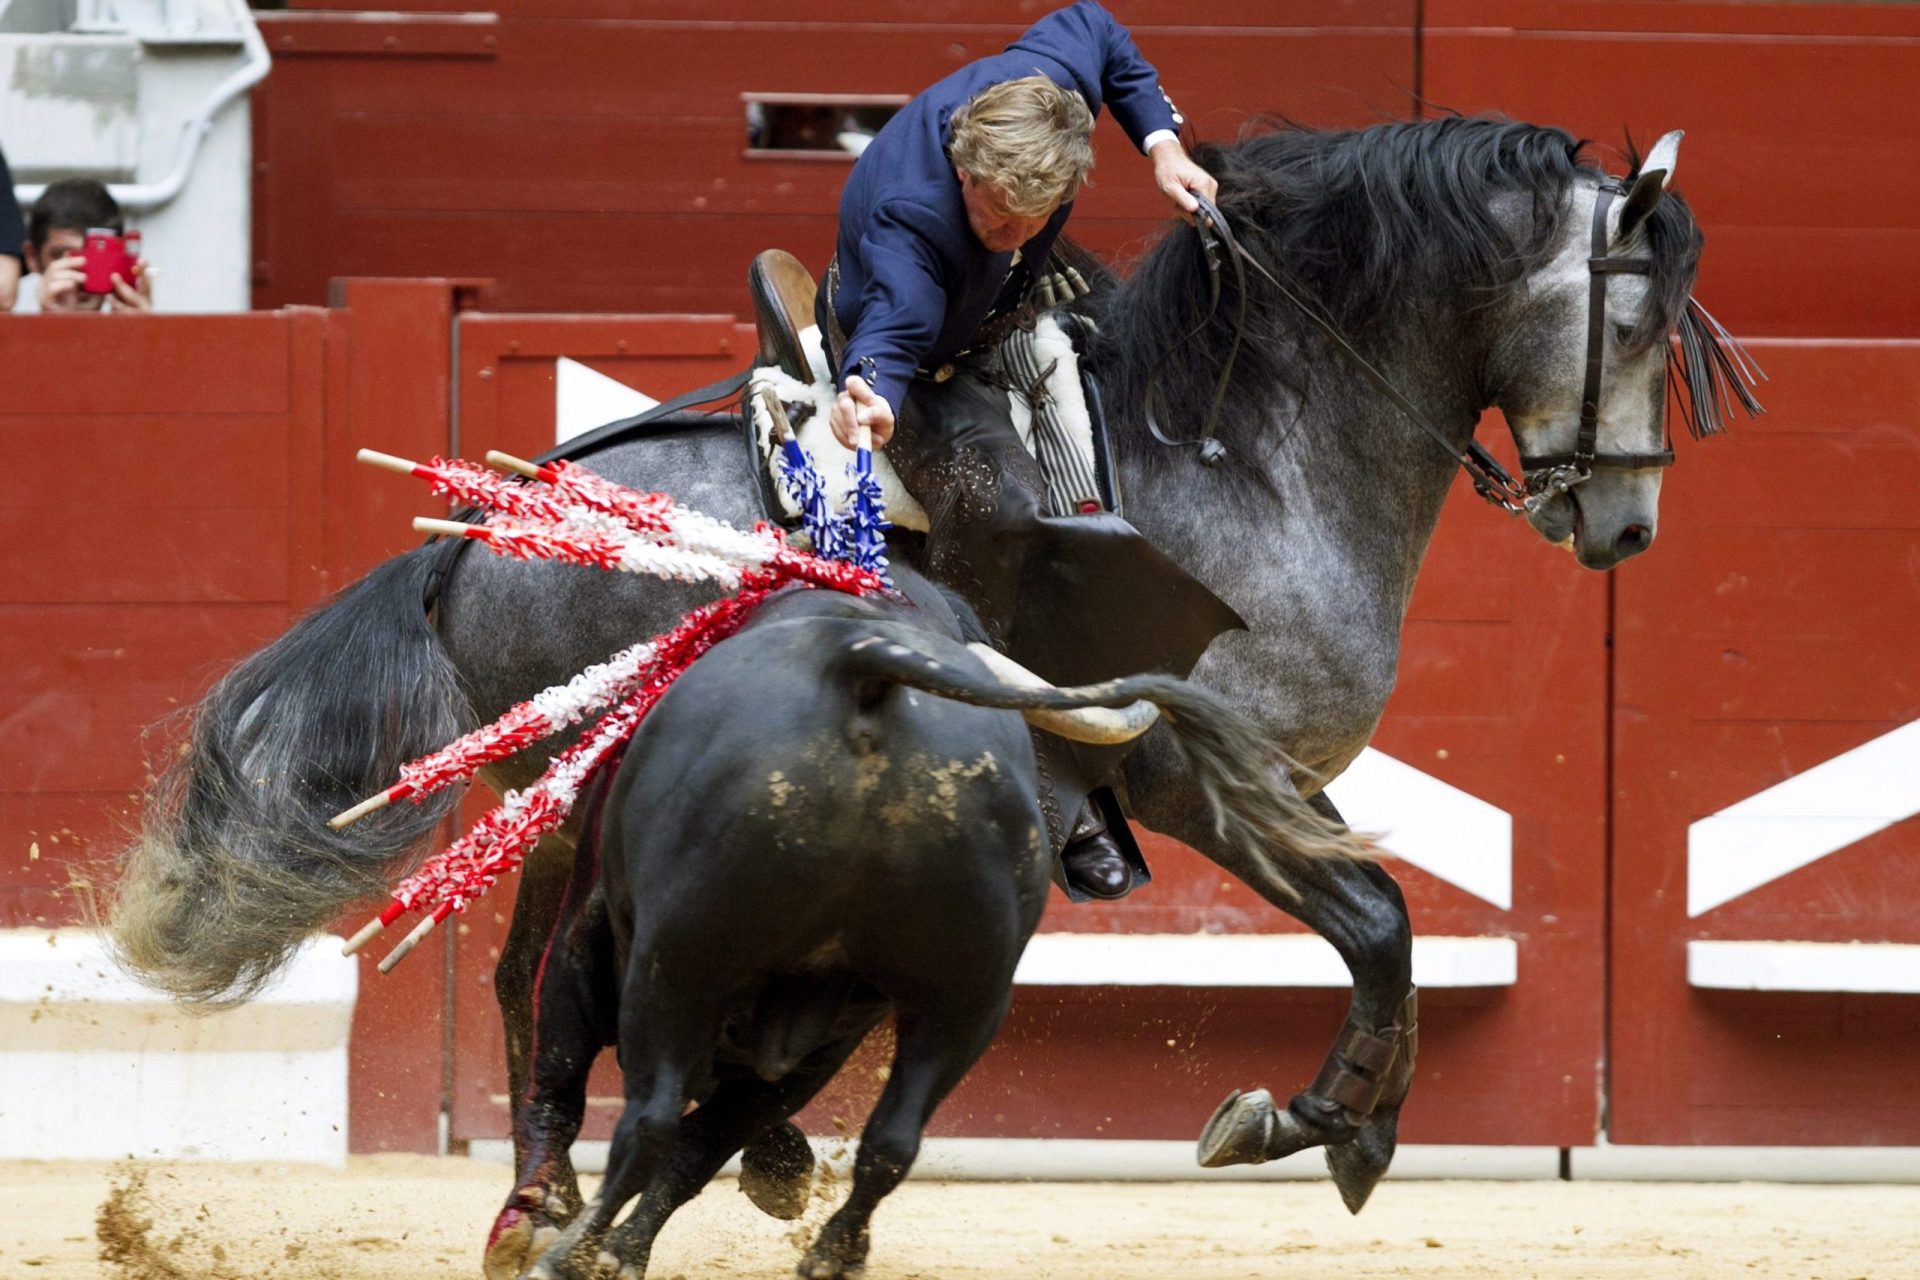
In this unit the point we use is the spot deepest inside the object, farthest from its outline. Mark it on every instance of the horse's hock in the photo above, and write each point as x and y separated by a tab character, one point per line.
94	1065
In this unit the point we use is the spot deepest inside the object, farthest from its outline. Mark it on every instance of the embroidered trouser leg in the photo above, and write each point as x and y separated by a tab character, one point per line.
984	494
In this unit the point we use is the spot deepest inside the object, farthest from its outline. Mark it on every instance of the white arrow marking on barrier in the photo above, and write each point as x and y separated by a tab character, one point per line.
585	398
1803	819
1437	827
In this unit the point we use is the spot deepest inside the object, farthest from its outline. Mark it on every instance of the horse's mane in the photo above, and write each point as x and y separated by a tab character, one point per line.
1371	224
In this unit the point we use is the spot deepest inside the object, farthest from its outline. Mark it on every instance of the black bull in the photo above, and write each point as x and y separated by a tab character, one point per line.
797	842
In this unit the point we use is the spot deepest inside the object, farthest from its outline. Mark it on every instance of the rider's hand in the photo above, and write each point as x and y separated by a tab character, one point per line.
1179	177
859	405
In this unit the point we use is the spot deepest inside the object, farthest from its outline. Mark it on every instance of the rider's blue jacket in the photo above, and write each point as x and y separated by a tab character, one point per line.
915	282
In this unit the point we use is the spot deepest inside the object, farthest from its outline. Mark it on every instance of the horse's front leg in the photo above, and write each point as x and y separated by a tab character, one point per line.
1352	1106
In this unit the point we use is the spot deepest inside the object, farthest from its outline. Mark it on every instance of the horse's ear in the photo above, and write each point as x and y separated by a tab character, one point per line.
1656	173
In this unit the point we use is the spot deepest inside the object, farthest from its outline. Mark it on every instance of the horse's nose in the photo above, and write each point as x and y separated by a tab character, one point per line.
1633	539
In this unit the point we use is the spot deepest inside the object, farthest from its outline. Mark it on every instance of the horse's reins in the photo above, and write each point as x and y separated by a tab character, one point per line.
1545	475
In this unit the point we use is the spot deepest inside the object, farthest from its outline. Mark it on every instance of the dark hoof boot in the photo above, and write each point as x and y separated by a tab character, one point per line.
1097	867
1358	1166
776	1172
1248	1129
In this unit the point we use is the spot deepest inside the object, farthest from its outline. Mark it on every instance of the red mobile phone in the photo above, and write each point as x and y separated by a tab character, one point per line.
108	254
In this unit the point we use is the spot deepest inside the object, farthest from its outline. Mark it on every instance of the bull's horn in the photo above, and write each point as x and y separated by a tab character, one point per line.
1099	725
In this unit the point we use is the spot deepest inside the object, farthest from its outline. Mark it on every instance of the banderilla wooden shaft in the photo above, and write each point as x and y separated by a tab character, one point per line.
451	528
412	940
520	466
372	928
372	804
374	458
777	415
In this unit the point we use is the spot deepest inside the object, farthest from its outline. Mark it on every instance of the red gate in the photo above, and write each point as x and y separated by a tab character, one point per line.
1767	758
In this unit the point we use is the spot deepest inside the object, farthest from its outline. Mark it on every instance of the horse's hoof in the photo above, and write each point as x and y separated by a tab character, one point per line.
1358	1166
1248	1129
776	1172
1236	1133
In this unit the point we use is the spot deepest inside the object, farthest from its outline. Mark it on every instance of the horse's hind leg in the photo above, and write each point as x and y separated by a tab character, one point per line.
938	1042
1352	1107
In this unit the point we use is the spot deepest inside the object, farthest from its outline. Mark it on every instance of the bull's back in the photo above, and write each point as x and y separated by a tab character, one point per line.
768	786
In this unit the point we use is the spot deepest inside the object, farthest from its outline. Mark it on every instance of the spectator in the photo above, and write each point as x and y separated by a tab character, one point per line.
13	231
56	239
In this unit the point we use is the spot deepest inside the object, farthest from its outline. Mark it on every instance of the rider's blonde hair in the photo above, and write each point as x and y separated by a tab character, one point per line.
1030	138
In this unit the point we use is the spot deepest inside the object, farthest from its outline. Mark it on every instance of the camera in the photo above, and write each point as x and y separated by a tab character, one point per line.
109	254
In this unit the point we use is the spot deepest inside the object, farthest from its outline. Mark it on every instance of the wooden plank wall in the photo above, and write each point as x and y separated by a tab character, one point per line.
589	155
184	489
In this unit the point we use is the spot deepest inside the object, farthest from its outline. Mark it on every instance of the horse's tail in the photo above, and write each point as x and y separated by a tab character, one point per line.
235	864
1247	780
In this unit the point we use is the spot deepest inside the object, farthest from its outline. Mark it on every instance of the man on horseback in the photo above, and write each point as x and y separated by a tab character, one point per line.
945	226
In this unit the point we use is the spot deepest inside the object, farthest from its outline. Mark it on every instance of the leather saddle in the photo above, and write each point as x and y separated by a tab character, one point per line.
783	294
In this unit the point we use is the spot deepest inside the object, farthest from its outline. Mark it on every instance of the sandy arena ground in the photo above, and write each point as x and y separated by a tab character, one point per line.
408	1218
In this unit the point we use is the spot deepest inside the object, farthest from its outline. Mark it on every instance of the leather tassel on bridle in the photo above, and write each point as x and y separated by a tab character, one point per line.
1711	370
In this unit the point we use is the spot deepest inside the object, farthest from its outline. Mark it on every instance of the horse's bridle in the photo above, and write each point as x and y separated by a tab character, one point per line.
1545	475
1555	473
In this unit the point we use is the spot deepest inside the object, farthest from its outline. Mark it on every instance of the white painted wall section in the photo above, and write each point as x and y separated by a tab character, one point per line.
1434	825
585	398
1885	967
95	1066
1246	960
1805	818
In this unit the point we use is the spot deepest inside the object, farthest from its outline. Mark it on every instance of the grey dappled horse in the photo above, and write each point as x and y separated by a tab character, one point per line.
1453	252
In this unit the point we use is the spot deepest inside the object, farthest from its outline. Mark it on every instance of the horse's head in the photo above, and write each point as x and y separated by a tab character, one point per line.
1580	369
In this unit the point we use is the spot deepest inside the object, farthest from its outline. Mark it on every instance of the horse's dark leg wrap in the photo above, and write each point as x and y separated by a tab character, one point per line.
1364	1071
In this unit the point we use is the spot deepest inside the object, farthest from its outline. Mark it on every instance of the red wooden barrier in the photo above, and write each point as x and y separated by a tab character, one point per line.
158	520
1771	633
1767	633
591	156
183	489
1795	114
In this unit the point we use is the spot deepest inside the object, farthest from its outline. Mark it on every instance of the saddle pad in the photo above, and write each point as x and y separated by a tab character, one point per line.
808	407
1049	412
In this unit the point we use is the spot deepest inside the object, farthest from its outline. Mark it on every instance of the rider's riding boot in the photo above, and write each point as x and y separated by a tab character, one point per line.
1093	859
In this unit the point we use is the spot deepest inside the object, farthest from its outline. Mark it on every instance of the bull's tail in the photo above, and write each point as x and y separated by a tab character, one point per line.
235	864
1248	782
